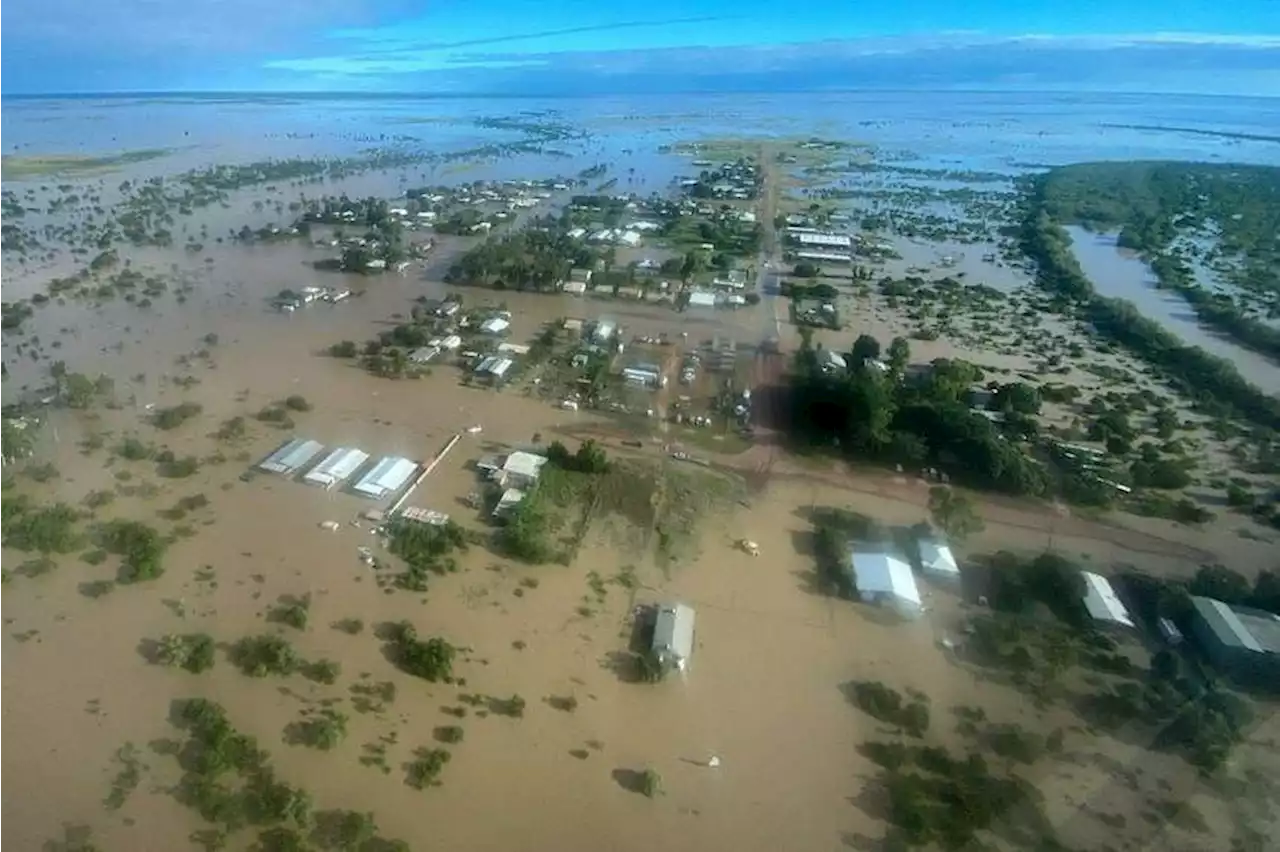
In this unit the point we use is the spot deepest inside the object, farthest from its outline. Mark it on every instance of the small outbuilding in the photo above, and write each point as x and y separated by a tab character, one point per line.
702	299
885	579
495	325
937	561
1102	602
673	635
1242	642
507	502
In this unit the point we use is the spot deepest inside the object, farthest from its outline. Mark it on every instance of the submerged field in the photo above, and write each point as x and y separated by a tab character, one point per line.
193	661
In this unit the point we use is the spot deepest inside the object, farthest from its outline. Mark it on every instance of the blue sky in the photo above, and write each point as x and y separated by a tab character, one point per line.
537	46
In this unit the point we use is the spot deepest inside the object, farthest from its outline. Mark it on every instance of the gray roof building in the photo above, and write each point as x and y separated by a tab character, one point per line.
1243	642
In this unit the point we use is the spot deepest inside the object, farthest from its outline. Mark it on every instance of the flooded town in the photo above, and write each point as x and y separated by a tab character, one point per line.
589	476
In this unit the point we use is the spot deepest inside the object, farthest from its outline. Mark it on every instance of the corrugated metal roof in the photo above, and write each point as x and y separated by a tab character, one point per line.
878	572
937	557
1225	625
388	475
524	464
291	457
1102	602
337	467
673	631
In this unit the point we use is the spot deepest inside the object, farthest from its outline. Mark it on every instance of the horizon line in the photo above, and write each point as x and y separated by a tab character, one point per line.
392	95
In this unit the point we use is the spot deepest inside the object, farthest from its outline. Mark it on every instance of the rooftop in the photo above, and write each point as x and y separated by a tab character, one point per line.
879	572
1102	602
524	464
1250	629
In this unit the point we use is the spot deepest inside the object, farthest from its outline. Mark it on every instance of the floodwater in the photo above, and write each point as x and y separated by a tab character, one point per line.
1121	275
764	689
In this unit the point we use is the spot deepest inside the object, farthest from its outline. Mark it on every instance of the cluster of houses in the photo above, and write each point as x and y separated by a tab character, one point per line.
737	181
289	301
306	461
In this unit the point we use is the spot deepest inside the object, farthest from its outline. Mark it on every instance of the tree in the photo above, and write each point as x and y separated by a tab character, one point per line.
805	269
899	355
1220	583
77	390
954	513
1266	591
864	348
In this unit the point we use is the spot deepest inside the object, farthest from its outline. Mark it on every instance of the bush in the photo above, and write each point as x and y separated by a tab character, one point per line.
140	547
292	611
259	656
650	783
425	770
45	529
322	671
431	659
178	468
134	450
886	704
276	415
297	402
193	652
451	734
350	626
175	416
325	730
345	349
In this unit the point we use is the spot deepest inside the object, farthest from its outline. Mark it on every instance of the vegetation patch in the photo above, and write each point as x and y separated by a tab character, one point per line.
322	729
430	659
192	651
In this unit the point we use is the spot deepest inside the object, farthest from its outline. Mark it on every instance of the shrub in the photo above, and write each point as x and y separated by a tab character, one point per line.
174	416
650	783
451	734
297	402
886	704
142	549
324	730
345	349
276	415
46	529
322	671
134	450
350	626
425	770
292	611
193	652
178	468
259	656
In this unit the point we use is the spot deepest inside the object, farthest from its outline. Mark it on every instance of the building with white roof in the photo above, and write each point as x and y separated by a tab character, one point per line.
937	560
508	501
495	325
292	457
521	469
575	288
494	367
702	299
577	233
630	238
386	477
821	240
336	468
825	256
673	635
885	579
1104	606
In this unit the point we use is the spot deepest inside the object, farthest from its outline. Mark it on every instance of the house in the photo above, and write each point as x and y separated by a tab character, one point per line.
508	501
495	325
513	349
820	240
937	561
1104	606
824	256
489	467
447	309
885	579
577	233
291	457
832	360
521	469
702	299
580	274
376	263
673	635
386	477
336	468
494	367
424	354
575	288
630	238
644	375
447	344
643	226
1242	642
604	330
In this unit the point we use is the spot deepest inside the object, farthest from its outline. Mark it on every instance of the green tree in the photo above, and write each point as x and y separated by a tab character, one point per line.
899	355
954	513
864	348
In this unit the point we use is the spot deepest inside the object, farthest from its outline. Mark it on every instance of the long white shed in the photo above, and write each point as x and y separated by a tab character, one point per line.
337	467
291	457
386	477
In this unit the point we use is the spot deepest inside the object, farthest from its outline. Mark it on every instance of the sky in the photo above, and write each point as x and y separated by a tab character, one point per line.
586	46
